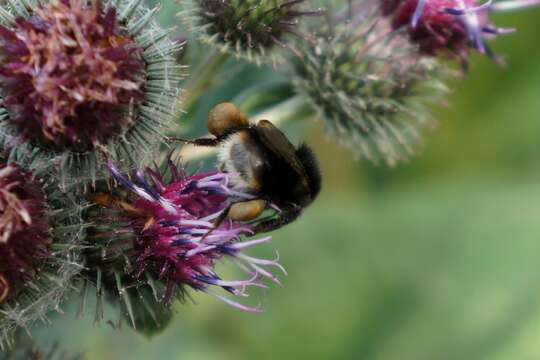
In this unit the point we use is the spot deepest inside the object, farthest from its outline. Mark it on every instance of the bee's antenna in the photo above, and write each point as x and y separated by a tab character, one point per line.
179	139
198	142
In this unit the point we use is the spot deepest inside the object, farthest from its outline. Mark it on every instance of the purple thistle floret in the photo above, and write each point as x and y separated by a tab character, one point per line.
177	238
451	26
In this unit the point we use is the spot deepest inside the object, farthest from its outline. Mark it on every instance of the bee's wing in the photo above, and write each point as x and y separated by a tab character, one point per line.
276	142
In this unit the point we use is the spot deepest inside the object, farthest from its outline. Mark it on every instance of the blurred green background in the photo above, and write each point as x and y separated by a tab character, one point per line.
435	259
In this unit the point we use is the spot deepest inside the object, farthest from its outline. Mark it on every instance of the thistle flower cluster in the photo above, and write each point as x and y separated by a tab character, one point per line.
82	82
88	85
247	28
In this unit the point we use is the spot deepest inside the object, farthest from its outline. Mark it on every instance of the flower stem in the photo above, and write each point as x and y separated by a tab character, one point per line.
513	5
203	77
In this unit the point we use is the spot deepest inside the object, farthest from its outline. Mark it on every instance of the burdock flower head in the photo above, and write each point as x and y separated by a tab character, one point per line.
247	28
40	234
450	26
369	84
24	229
78	78
176	236
69	74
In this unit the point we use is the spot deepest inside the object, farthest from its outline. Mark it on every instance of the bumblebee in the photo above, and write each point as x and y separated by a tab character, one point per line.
263	163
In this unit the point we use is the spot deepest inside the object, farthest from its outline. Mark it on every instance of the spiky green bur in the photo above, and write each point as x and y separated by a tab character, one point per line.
371	87
250	29
48	287
142	106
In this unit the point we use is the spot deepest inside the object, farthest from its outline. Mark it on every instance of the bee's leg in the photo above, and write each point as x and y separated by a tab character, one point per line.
224	118
219	220
286	216
240	211
112	201
247	210
199	142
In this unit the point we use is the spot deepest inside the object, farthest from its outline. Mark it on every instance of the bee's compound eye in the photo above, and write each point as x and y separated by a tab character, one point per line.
246	210
225	117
